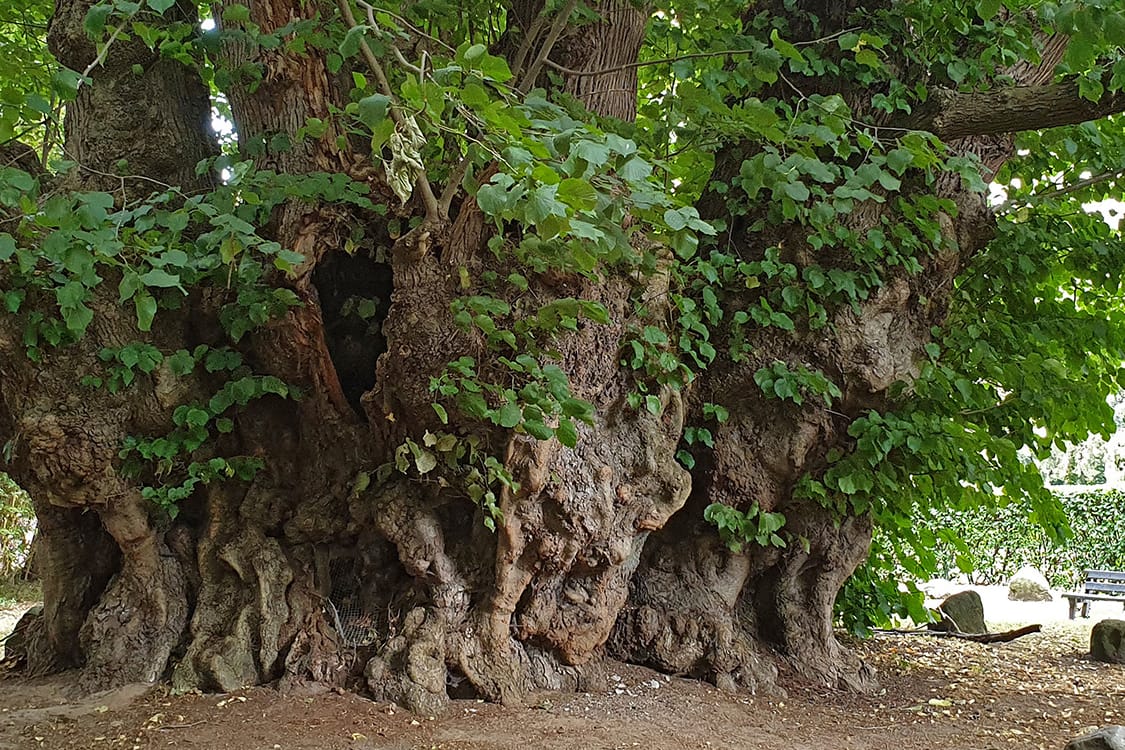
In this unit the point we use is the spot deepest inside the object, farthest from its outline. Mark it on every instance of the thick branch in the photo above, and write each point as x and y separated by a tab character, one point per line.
958	114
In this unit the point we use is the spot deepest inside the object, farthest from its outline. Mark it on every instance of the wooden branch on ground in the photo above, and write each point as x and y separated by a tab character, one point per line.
1007	635
1004	637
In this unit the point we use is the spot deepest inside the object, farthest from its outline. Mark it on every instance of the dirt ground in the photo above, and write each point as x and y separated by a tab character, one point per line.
1035	692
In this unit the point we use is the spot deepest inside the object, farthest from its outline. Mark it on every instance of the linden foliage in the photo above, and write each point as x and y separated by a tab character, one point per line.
1035	337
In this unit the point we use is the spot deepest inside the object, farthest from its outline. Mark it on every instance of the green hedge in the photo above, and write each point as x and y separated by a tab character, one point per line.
988	545
17	525
1000	540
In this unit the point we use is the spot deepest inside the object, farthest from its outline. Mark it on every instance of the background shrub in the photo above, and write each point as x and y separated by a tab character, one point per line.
1001	540
17	528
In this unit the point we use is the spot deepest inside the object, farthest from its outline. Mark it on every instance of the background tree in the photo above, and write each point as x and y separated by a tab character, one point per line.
500	338
1096	460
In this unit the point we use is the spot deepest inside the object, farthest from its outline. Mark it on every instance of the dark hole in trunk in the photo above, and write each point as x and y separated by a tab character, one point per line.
458	687
355	296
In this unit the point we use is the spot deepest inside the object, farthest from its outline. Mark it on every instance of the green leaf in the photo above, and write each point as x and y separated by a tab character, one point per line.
577	193
566	433
509	415
424	461
542	203
579	409
236	14
797	191
161	5
785	48
987	9
13	300
595	311
352	39
372	110
181	363
675	218
869	58
899	159
654	335
496	69
145	305
635	170
537	429
848	41
96	16
160	279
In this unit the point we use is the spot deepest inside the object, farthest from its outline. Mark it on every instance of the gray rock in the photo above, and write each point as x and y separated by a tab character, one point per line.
1106	738
966	611
1029	585
1107	641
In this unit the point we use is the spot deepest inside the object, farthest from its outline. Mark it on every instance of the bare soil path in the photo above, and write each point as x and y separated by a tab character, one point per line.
1036	692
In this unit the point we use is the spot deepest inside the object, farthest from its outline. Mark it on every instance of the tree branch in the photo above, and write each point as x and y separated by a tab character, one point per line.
548	44
688	56
530	35
422	184
958	114
1074	187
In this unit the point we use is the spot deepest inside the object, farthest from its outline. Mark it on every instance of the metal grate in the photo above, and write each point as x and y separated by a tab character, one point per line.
356	625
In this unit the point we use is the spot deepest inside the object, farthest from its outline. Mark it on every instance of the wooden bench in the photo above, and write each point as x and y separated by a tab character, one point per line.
1099	586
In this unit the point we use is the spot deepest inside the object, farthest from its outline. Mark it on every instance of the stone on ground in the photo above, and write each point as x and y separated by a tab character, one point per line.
1107	642
966	611
1106	738
1029	585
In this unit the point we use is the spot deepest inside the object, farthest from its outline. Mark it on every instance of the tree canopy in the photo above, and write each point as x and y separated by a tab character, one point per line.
731	269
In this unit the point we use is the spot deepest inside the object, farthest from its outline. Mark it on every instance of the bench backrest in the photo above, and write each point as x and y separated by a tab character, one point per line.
1105	582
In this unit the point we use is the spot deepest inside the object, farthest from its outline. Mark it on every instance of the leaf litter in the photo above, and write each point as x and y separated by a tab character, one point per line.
1035	692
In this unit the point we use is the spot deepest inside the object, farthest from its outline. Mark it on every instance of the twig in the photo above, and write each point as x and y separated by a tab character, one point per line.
406	23
394	48
100	57
181	726
433	212
552	36
530	35
1080	184
690	56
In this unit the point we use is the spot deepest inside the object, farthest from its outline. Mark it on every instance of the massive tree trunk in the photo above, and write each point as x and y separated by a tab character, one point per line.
322	568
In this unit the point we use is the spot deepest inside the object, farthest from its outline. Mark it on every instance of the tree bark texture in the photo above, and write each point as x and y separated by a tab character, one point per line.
602	550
